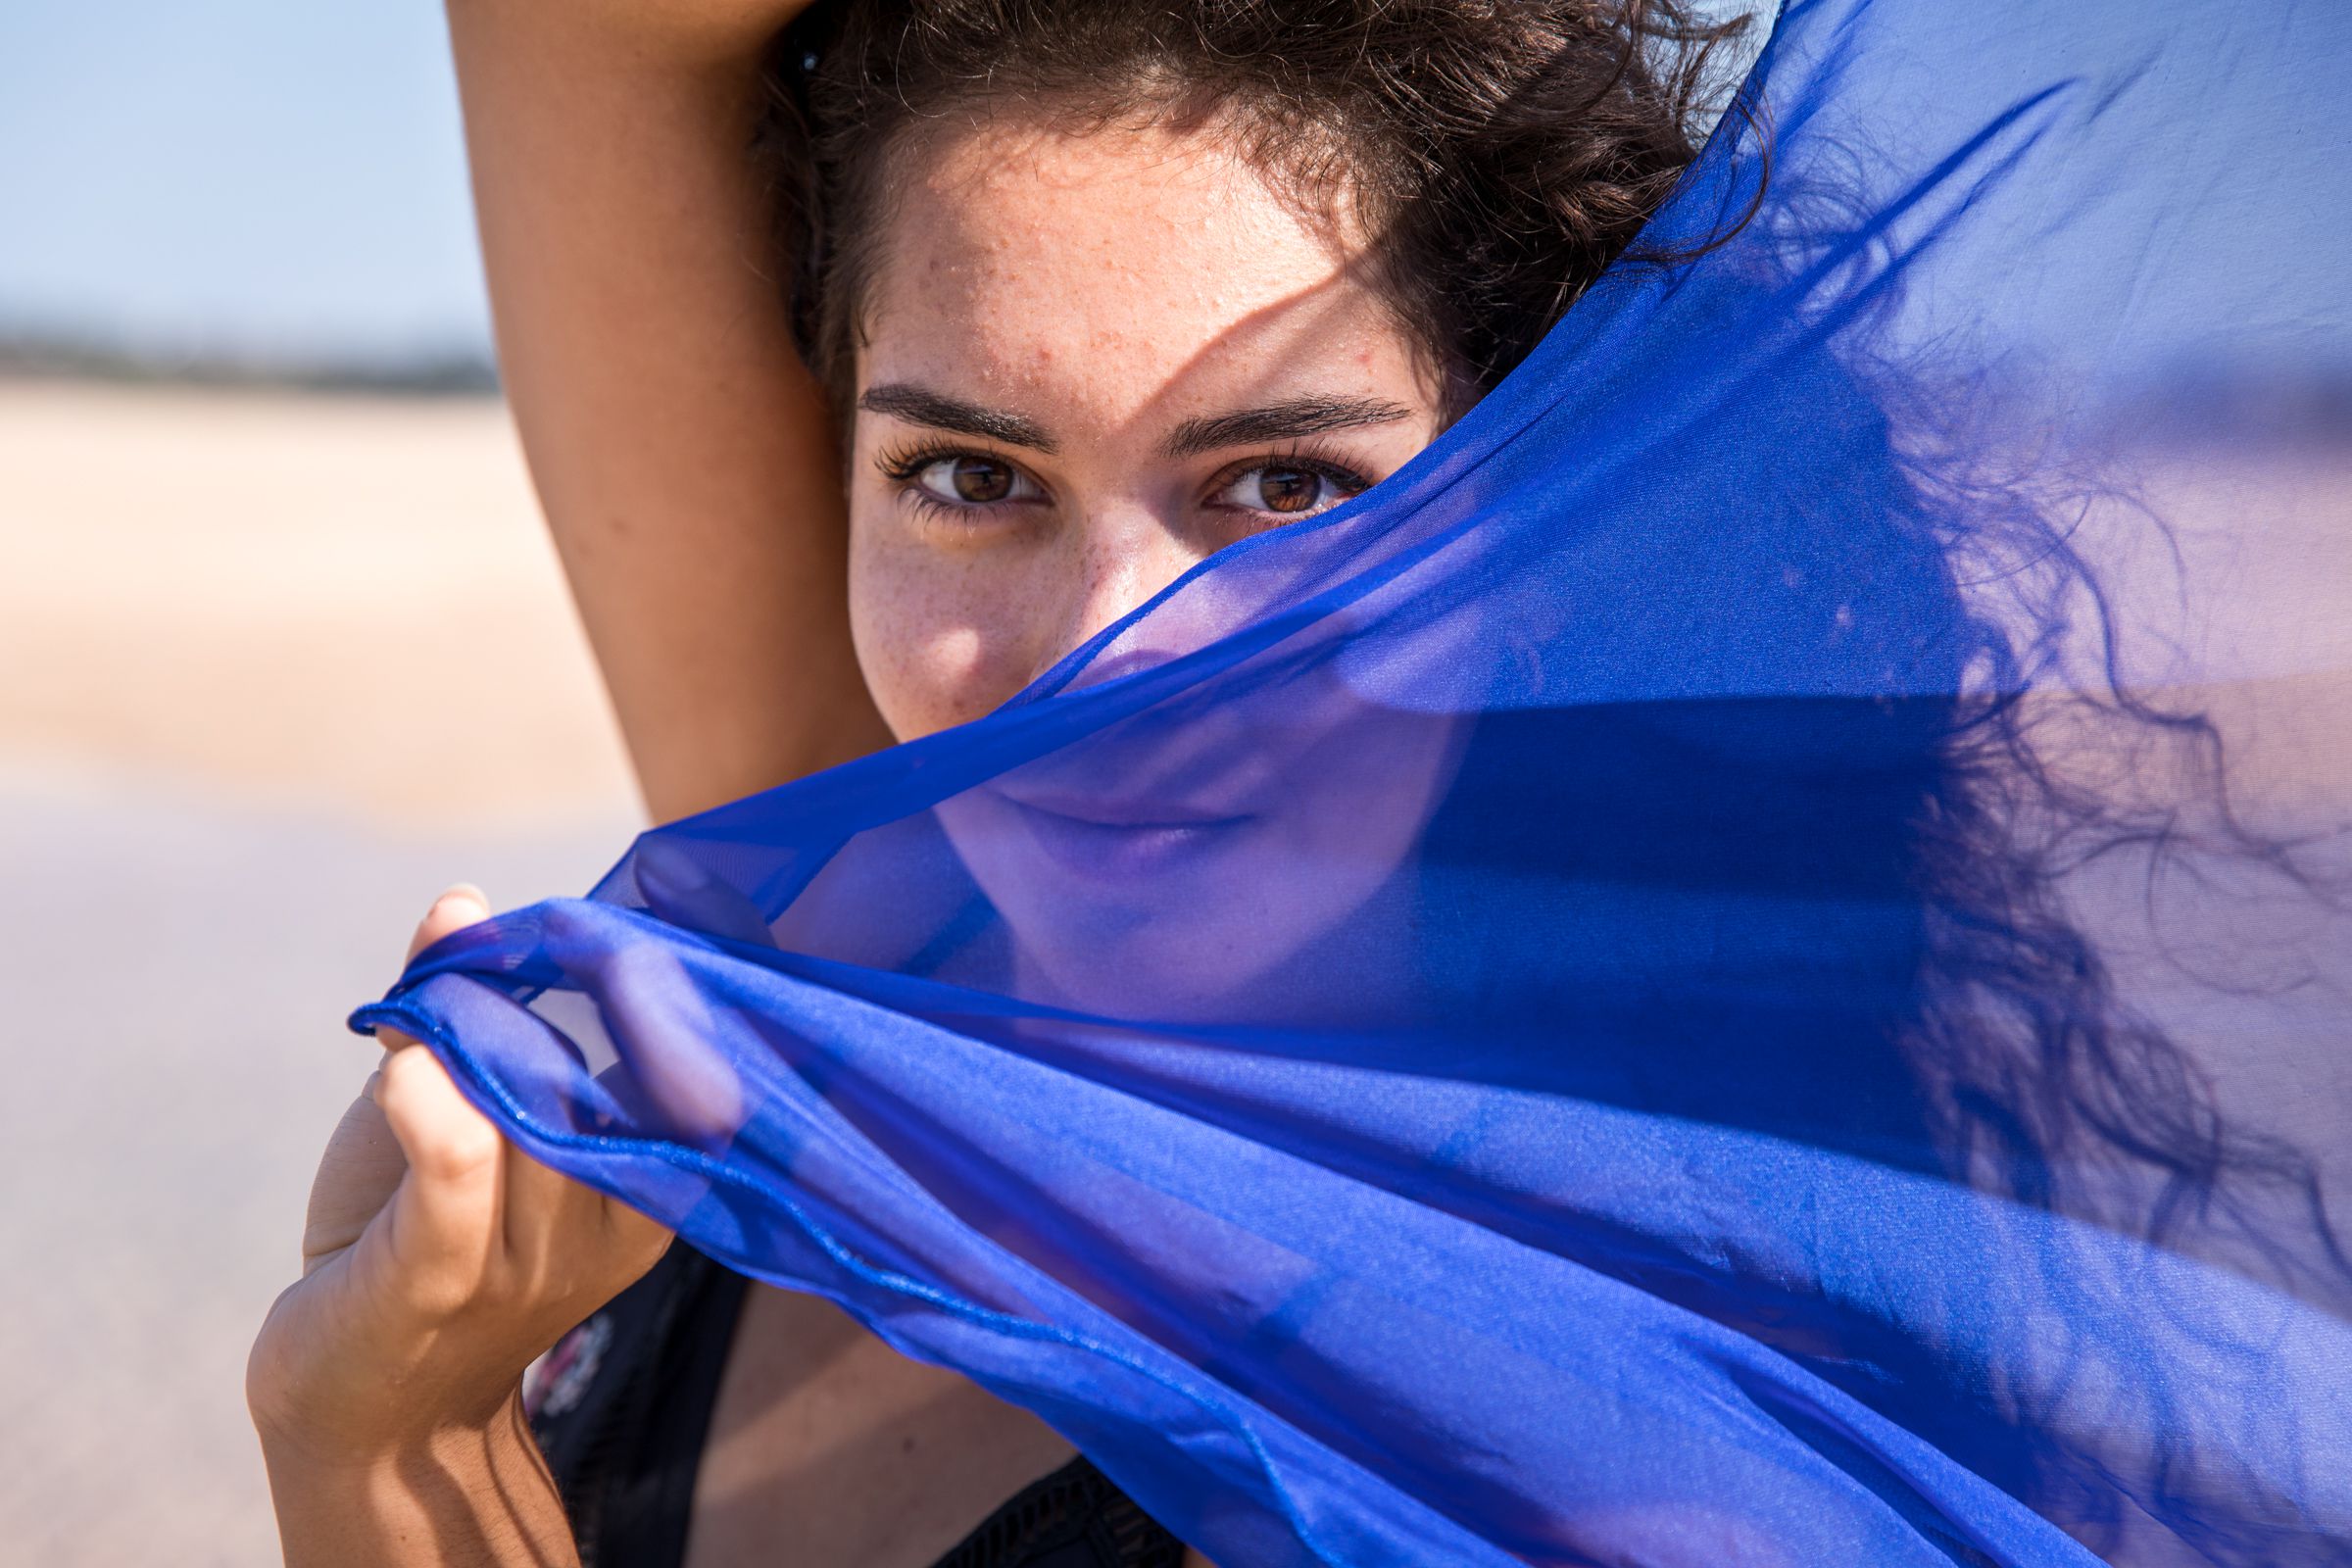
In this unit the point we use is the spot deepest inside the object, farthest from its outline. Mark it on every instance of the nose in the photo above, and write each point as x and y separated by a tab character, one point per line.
1121	558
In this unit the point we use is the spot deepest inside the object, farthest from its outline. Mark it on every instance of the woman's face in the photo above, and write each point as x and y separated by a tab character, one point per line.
1090	360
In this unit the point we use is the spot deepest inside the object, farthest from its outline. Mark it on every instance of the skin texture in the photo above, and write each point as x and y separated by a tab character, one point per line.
437	1261
682	455
1107	289
1117	294
1181	350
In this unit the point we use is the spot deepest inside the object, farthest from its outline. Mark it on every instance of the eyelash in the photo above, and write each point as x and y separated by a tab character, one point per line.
1309	455
900	466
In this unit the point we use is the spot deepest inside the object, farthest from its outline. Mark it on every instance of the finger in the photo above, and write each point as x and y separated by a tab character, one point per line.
632	1230
357	1176
671	1043
560	1234
538	1203
664	1033
558	1238
460	906
680	891
445	1215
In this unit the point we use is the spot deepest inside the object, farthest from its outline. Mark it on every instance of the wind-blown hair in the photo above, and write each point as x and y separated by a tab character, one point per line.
1728	996
1499	154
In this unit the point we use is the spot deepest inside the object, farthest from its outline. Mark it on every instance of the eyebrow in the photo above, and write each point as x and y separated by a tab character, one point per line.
1277	421
919	404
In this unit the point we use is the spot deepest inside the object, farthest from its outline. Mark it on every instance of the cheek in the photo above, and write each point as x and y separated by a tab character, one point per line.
938	634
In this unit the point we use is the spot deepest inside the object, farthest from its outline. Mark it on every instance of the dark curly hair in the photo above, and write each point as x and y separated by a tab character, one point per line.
1501	152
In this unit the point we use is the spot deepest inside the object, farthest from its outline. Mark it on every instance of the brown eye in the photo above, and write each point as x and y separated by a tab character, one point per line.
980	480
1288	489
973	479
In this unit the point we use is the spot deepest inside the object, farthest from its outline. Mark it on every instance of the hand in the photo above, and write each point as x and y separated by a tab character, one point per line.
438	1261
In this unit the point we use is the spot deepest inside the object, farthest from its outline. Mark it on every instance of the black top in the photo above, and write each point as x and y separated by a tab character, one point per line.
621	1407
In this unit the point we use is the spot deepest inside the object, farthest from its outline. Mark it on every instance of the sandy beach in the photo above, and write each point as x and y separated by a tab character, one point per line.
273	670
276	669
336	601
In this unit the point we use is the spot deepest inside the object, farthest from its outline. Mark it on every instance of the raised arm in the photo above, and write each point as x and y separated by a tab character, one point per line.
683	461
682	453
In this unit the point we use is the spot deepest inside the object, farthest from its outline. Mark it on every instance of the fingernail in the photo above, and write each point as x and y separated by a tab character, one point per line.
463	890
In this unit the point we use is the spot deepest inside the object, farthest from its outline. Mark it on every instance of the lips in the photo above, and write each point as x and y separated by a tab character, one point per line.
1097	810
1116	840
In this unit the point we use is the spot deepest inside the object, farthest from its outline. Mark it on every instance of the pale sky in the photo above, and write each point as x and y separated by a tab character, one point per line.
286	177
260	176
237	176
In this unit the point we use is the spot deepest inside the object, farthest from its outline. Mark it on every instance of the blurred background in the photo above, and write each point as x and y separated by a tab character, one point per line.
282	652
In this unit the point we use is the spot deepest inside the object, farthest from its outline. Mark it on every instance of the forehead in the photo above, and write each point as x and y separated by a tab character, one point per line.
1106	267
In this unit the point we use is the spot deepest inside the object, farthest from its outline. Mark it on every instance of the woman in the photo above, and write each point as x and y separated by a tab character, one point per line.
1087	296
1665	977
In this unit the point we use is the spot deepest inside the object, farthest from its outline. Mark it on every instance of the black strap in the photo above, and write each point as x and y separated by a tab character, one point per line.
1073	1518
625	1446
622	1410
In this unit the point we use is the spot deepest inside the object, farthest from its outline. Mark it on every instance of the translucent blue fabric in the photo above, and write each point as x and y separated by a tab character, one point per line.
1745	963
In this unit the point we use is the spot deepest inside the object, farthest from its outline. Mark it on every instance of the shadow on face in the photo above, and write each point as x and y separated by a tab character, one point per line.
1090	360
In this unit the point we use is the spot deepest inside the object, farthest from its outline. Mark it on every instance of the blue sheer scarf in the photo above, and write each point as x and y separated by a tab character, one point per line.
1746	963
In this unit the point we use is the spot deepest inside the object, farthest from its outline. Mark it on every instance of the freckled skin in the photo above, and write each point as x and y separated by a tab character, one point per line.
1105	286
